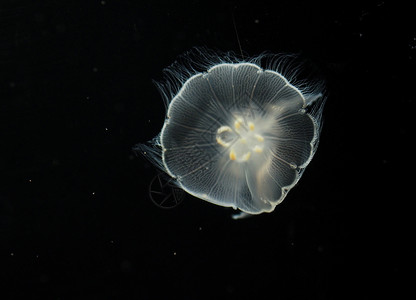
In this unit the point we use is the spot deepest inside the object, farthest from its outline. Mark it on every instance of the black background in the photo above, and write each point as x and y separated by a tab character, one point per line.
76	94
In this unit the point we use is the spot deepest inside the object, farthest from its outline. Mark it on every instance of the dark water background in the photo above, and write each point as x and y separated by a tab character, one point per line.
76	93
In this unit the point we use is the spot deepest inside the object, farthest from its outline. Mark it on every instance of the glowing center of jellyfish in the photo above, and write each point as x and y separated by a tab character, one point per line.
242	140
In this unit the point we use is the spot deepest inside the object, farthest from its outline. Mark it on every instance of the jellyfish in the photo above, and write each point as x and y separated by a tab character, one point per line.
239	133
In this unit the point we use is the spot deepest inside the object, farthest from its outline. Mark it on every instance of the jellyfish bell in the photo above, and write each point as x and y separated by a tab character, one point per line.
239	134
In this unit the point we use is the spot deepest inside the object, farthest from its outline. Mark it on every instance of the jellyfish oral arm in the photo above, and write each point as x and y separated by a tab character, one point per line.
241	215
